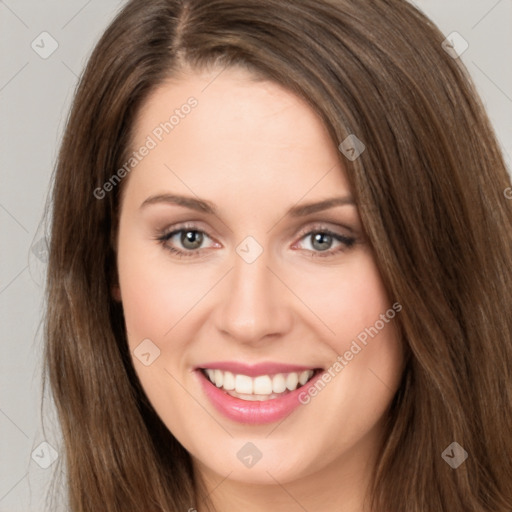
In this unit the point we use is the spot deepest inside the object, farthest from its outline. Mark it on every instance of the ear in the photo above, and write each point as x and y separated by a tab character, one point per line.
115	291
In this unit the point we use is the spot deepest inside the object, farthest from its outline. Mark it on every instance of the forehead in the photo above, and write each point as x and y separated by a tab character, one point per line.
223	129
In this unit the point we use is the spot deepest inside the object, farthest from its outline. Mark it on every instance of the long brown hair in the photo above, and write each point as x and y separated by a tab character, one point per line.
430	191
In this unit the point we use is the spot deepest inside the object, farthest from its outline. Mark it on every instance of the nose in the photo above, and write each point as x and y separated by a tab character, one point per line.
254	305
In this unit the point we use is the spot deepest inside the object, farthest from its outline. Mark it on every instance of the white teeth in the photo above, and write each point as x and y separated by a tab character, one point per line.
291	381
243	384
261	387
250	398
278	383
229	381
219	378
304	377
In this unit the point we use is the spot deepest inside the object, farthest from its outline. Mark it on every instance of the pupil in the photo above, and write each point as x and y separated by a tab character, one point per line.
322	241
191	239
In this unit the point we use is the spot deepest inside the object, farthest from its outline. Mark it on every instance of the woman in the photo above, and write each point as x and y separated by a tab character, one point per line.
279	270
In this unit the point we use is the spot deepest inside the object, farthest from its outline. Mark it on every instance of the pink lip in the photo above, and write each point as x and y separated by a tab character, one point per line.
253	370
254	413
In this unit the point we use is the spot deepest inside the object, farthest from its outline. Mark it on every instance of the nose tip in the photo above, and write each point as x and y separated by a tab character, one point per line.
253	305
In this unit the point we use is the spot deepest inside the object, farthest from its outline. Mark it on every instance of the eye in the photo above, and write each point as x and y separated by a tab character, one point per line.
185	241
320	242
188	241
191	240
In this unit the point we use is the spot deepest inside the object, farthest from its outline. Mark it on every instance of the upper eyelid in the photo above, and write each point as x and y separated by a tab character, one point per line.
323	226
193	226
308	230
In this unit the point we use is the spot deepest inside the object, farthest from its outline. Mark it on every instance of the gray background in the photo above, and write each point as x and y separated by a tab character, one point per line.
35	95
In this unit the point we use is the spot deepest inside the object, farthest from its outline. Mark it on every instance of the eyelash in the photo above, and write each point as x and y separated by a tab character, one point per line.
346	241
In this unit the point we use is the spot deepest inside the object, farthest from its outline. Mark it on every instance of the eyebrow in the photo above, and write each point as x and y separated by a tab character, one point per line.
199	205
208	207
309	208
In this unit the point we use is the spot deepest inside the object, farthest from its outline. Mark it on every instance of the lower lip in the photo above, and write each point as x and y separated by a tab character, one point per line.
254	413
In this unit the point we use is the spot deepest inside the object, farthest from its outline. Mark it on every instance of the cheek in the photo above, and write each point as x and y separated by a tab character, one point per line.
346	300
155	294
367	356
146	309
155	297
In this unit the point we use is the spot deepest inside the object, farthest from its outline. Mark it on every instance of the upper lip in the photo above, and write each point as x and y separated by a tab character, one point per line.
253	370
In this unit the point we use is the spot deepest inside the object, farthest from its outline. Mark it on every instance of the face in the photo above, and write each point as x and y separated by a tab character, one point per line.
257	319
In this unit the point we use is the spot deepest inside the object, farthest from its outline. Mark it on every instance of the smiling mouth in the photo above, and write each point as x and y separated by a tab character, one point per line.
261	387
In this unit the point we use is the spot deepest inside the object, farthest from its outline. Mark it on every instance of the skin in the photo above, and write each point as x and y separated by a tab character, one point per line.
254	150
